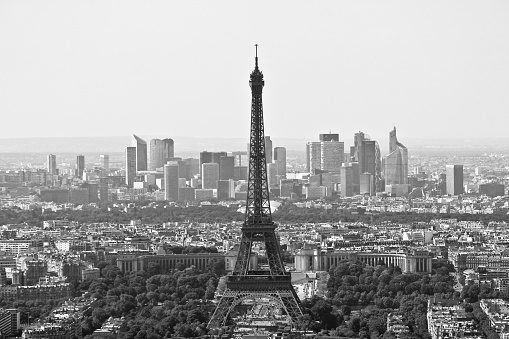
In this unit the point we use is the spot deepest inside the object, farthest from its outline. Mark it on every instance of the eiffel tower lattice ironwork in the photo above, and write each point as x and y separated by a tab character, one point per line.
245	282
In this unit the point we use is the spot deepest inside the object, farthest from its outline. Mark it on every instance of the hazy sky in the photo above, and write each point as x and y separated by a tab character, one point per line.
181	68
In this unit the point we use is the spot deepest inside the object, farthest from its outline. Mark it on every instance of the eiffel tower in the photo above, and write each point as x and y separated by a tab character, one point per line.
246	282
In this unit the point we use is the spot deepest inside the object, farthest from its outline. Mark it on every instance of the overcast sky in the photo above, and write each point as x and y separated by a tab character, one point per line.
181	68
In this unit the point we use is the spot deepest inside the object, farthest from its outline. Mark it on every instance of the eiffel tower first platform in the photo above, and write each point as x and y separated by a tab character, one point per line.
245	283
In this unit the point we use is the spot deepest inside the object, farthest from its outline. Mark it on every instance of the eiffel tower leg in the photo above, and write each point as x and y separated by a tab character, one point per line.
223	309
291	303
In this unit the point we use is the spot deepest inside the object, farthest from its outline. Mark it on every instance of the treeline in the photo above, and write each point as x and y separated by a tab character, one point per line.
287	213
154	304
360	297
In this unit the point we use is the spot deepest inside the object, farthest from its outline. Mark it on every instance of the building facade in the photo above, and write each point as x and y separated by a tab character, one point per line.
396	162
454	179
130	166
141	153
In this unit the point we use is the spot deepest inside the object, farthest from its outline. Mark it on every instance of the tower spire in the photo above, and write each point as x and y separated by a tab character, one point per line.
256	56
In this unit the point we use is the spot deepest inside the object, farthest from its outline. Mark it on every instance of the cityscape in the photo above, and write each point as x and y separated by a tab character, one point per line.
163	177
75	238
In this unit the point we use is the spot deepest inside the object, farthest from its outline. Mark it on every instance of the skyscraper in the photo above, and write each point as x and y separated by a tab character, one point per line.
130	165
209	175
272	175
225	189
106	164
280	160
80	165
454	179
141	153
367	153
52	164
396	163
268	149
325	155
207	157
346	178
313	156
226	167
171	181
160	152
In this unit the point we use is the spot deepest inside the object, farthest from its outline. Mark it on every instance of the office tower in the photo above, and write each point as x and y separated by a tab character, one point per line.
346	178
225	189
454	179
329	137
52	164
396	163
268	150
331	155
80	165
210	175
103	190
186	194
356	175
280	160
208	157
272	174
226	167
105	159
313	155
183	170
171	181
366	184
141	153
367	153
240	173
194	167
325	155
130	166
160	152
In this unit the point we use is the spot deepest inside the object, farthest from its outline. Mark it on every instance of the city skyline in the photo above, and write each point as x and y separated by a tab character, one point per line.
435	63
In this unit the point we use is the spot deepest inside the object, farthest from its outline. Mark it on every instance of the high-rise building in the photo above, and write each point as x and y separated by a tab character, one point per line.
171	181
210	175
226	167
272	175
396	163
194	167
106	164
160	152
313	155
80	165
367	153
454	179
366	184
141	153
208	157
325	155
268	150
225	189
329	137
331	156
130	165
346	178
280	160
52	164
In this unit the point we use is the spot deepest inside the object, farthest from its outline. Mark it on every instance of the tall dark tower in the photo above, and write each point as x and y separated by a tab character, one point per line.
247	282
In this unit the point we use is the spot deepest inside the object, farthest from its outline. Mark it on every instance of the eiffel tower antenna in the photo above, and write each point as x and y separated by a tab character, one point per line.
248	282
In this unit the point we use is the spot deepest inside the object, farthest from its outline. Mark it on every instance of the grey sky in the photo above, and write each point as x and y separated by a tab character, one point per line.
98	68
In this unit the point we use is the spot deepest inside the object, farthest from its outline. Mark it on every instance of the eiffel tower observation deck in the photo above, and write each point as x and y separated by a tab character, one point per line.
253	283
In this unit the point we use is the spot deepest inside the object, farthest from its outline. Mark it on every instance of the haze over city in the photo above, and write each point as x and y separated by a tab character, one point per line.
433	69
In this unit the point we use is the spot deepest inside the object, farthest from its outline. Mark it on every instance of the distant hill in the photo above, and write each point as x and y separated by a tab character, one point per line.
191	146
